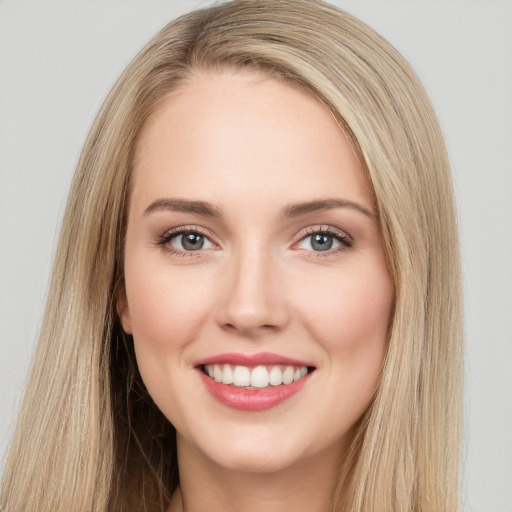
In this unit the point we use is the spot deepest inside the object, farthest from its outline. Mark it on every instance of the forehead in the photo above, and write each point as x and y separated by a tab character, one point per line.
248	134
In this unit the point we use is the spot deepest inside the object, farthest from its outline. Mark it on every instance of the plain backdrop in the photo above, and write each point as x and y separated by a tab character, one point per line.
58	60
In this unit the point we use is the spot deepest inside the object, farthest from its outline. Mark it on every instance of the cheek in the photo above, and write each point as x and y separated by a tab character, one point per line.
166	307
351	323
349	313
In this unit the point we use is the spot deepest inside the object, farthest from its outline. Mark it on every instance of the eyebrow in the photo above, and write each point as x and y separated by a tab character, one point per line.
303	208
183	205
289	211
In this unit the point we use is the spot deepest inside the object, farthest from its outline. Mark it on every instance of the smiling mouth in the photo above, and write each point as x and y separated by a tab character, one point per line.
255	377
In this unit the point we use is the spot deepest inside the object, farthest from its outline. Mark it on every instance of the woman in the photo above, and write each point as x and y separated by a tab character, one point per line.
252	135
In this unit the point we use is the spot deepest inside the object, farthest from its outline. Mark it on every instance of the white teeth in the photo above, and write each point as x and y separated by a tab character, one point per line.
275	376
255	377
217	373
259	377
241	376
288	375
227	374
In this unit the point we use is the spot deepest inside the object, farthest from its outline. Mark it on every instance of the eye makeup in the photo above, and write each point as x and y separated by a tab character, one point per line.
324	236
195	236
192	240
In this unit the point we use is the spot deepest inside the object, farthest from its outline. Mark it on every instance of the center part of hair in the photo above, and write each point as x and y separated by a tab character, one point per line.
256	377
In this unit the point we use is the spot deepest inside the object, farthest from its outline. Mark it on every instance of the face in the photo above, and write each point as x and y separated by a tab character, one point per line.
257	289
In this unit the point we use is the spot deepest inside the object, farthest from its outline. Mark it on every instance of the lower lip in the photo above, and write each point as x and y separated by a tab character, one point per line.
252	399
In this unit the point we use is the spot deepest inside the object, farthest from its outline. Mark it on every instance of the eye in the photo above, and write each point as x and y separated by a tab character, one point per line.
324	240
182	240
189	241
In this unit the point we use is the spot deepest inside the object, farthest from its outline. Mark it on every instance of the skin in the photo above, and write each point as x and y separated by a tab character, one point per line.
250	145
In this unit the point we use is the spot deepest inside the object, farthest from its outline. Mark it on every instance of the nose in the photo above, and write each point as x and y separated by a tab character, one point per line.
253	299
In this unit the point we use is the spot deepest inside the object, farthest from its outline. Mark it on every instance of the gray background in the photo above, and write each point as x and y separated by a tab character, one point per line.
59	59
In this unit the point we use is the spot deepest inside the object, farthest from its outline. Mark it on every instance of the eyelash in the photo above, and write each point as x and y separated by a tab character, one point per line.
344	240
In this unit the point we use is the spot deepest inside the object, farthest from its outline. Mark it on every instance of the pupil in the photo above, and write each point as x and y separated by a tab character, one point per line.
193	241
322	242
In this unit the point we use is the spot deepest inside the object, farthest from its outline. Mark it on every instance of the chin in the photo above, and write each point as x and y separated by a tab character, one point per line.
256	460
251	451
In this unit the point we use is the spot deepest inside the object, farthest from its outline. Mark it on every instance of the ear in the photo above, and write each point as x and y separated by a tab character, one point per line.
123	310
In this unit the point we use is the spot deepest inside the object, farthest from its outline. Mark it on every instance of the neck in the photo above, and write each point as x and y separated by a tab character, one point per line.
307	485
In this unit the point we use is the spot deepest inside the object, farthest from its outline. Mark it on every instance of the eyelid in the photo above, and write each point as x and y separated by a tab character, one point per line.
342	237
189	228
322	228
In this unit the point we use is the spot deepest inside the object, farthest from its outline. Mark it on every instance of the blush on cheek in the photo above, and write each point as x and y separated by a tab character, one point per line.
360	318
165	308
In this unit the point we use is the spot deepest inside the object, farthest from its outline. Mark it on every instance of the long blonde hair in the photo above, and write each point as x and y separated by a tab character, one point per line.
89	437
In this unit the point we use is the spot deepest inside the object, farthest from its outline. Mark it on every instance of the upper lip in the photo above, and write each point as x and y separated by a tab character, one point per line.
251	359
